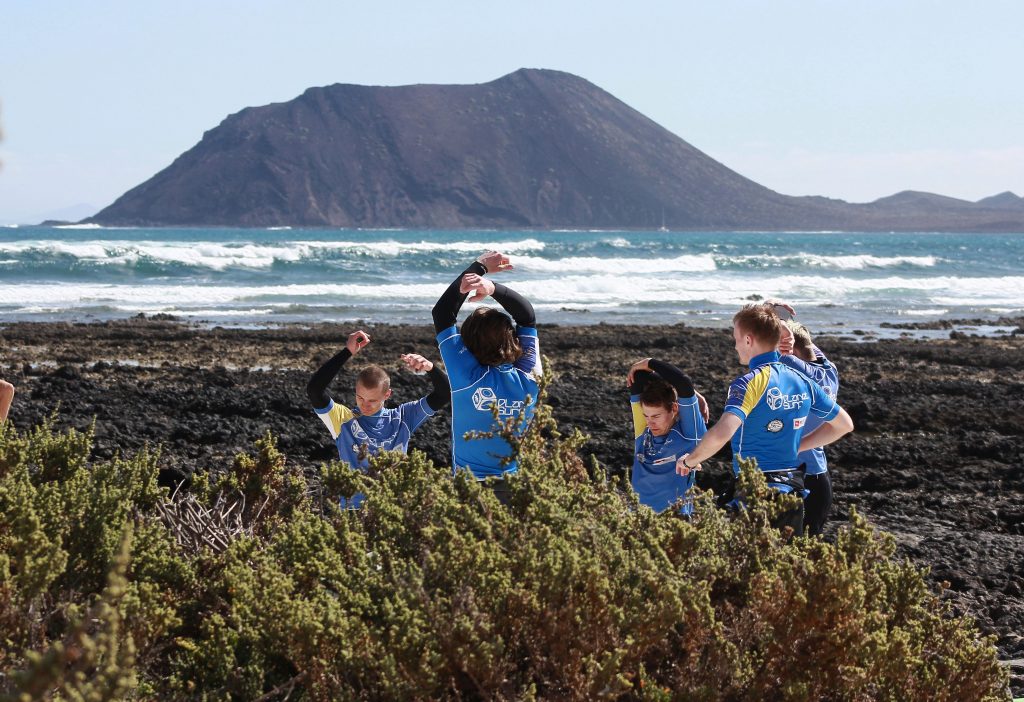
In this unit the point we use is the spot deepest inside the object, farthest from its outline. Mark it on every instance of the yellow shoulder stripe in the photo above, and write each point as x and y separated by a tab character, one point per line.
756	389
639	420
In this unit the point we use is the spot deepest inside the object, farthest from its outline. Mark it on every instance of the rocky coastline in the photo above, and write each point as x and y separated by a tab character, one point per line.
937	458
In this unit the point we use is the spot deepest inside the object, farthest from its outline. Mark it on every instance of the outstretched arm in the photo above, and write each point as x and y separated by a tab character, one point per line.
316	388
714	440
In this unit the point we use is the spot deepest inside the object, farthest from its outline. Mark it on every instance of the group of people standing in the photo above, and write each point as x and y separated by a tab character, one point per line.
781	412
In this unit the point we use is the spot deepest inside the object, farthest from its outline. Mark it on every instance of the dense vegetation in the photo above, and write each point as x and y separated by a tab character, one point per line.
252	584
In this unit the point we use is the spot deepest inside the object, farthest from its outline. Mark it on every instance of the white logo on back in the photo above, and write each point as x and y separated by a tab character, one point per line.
776	400
485	398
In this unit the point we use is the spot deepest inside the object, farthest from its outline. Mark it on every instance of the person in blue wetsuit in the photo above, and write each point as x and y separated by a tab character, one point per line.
668	421
494	366
766	411
798	351
371	427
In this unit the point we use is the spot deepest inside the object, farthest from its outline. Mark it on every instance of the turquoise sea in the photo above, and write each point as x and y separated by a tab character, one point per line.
837	281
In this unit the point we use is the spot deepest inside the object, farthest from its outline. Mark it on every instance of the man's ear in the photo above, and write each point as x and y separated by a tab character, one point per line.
387	394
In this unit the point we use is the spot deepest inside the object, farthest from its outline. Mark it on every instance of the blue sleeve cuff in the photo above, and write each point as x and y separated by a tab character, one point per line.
326	409
736	410
526	331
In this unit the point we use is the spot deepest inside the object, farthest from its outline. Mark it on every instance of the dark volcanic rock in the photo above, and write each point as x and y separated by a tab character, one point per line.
937	459
535	148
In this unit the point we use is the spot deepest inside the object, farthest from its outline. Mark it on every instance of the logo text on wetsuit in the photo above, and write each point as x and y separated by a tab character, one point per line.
776	400
484	399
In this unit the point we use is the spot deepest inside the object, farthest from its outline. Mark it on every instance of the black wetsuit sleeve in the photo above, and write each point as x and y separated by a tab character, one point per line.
673	376
516	305
446	310
442	393
640	380
316	388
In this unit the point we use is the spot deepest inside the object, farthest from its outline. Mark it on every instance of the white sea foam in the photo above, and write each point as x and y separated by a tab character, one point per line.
847	262
79	226
624	266
595	289
220	256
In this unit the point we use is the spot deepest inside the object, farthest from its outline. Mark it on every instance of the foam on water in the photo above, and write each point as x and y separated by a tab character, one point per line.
579	277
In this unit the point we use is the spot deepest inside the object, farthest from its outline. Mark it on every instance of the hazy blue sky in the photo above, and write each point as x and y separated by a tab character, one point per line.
854	100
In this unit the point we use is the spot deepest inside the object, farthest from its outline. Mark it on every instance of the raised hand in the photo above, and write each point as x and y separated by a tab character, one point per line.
479	286
494	261
783	309
642	365
416	363
786	340
357	341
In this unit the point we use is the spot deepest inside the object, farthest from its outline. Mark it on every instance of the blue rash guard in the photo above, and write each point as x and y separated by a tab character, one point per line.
654	457
476	389
824	373
360	436
774	402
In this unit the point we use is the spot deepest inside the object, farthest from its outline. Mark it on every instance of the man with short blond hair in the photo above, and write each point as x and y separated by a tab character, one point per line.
766	411
371	427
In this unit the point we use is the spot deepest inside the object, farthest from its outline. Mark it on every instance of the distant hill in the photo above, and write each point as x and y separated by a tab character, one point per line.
535	148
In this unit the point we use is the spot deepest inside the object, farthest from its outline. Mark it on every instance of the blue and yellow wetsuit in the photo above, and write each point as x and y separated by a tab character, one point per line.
358	436
654	477
774	402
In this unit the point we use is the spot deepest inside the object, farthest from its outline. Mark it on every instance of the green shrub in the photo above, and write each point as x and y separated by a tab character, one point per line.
435	590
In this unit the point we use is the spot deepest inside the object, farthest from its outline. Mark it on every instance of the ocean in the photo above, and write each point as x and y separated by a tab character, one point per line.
839	282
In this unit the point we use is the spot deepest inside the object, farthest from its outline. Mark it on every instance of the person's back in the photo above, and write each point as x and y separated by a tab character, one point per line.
775	402
767	410
494	369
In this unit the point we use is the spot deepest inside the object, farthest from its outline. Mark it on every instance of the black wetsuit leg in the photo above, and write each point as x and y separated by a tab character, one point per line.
794	519
817	503
500	489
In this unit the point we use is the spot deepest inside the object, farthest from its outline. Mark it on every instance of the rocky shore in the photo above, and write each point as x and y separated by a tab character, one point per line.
937	458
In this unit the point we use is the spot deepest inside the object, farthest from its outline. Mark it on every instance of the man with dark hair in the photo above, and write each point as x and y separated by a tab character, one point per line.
494	367
766	411
798	351
372	427
667	423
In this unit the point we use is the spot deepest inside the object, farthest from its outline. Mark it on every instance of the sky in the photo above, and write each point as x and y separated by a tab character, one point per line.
853	100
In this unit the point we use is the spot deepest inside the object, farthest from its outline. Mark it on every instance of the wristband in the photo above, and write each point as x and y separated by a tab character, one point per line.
685	464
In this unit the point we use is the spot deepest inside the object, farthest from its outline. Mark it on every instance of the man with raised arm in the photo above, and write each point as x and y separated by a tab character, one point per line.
798	351
668	420
494	366
766	411
371	427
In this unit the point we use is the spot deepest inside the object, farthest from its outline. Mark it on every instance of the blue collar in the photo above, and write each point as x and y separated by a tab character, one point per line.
763	358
